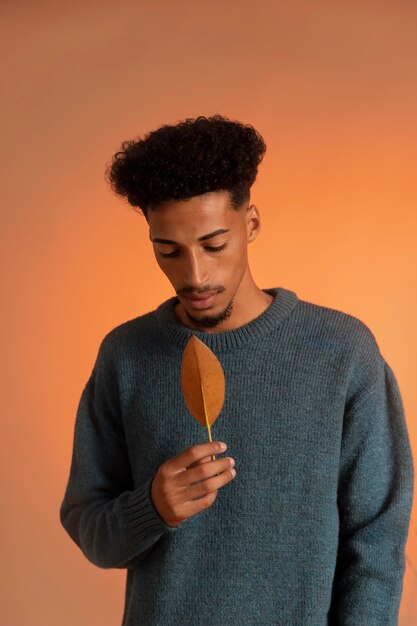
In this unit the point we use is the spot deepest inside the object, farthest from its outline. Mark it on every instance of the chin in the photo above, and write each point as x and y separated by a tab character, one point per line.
205	320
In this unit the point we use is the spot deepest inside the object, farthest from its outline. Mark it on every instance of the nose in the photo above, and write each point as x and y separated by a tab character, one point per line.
195	273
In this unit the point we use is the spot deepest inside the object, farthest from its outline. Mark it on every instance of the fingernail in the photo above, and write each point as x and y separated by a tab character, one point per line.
222	446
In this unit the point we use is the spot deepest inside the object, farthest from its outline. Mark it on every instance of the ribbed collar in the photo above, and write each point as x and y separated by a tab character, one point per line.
284	302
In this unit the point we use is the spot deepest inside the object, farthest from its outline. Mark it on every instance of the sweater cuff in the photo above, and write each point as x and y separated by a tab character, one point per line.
140	511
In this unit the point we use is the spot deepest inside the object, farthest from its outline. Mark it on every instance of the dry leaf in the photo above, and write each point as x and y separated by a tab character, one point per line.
202	383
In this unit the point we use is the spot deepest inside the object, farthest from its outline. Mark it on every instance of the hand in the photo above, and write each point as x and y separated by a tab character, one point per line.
187	476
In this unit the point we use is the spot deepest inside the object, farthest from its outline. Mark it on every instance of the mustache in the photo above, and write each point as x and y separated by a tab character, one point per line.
191	291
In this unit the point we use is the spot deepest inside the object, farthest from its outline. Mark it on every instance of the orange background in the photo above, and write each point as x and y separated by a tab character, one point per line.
331	86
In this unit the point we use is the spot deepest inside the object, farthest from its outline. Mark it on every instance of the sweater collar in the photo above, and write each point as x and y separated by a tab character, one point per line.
284	302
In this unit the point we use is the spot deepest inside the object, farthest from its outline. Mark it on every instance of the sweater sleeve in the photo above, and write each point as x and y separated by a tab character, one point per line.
114	524
375	496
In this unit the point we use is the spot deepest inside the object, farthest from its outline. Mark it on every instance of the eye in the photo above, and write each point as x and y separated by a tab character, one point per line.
216	248
168	255
209	248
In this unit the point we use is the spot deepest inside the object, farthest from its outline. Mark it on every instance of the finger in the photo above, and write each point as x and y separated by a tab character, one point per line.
195	453
192	507
208	485
202	471
205	460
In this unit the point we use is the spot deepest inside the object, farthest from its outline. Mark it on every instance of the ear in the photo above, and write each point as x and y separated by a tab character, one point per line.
253	222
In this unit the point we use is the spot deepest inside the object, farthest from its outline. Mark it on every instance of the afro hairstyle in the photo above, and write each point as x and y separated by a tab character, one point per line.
193	157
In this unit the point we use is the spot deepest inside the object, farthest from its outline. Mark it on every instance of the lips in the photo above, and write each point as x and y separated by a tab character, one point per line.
203	297
202	302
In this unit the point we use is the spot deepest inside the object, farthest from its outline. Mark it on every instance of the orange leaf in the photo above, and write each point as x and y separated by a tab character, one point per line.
202	382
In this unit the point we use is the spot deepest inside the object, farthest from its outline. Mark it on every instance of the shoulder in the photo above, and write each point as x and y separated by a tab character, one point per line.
131	328
346	336
333	323
129	337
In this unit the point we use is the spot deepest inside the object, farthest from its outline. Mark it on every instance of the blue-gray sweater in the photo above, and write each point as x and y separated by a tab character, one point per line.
312	530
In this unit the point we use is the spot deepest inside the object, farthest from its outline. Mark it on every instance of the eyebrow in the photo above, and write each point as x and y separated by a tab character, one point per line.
219	231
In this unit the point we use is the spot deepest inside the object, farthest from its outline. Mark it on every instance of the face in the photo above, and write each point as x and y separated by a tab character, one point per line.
201	246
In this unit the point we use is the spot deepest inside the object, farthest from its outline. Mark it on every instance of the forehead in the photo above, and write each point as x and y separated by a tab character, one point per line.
193	217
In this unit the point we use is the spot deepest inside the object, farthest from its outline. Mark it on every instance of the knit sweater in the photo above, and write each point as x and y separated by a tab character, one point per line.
310	532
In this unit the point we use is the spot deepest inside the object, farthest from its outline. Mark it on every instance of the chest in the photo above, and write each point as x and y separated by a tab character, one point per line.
282	416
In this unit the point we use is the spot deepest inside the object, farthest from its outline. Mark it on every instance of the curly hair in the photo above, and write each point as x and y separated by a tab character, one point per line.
193	157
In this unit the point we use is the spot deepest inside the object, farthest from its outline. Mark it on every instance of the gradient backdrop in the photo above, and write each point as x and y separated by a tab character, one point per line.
331	86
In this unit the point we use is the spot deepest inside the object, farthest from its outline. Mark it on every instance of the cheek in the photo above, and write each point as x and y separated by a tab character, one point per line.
238	264
166	269
161	264
232	265
236	256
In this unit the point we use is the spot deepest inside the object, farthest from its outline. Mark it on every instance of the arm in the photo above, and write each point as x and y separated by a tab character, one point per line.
374	497
113	524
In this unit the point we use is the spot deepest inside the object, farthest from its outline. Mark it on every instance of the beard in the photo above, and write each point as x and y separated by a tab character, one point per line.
211	321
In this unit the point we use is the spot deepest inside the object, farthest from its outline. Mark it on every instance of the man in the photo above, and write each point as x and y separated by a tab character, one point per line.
312	527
